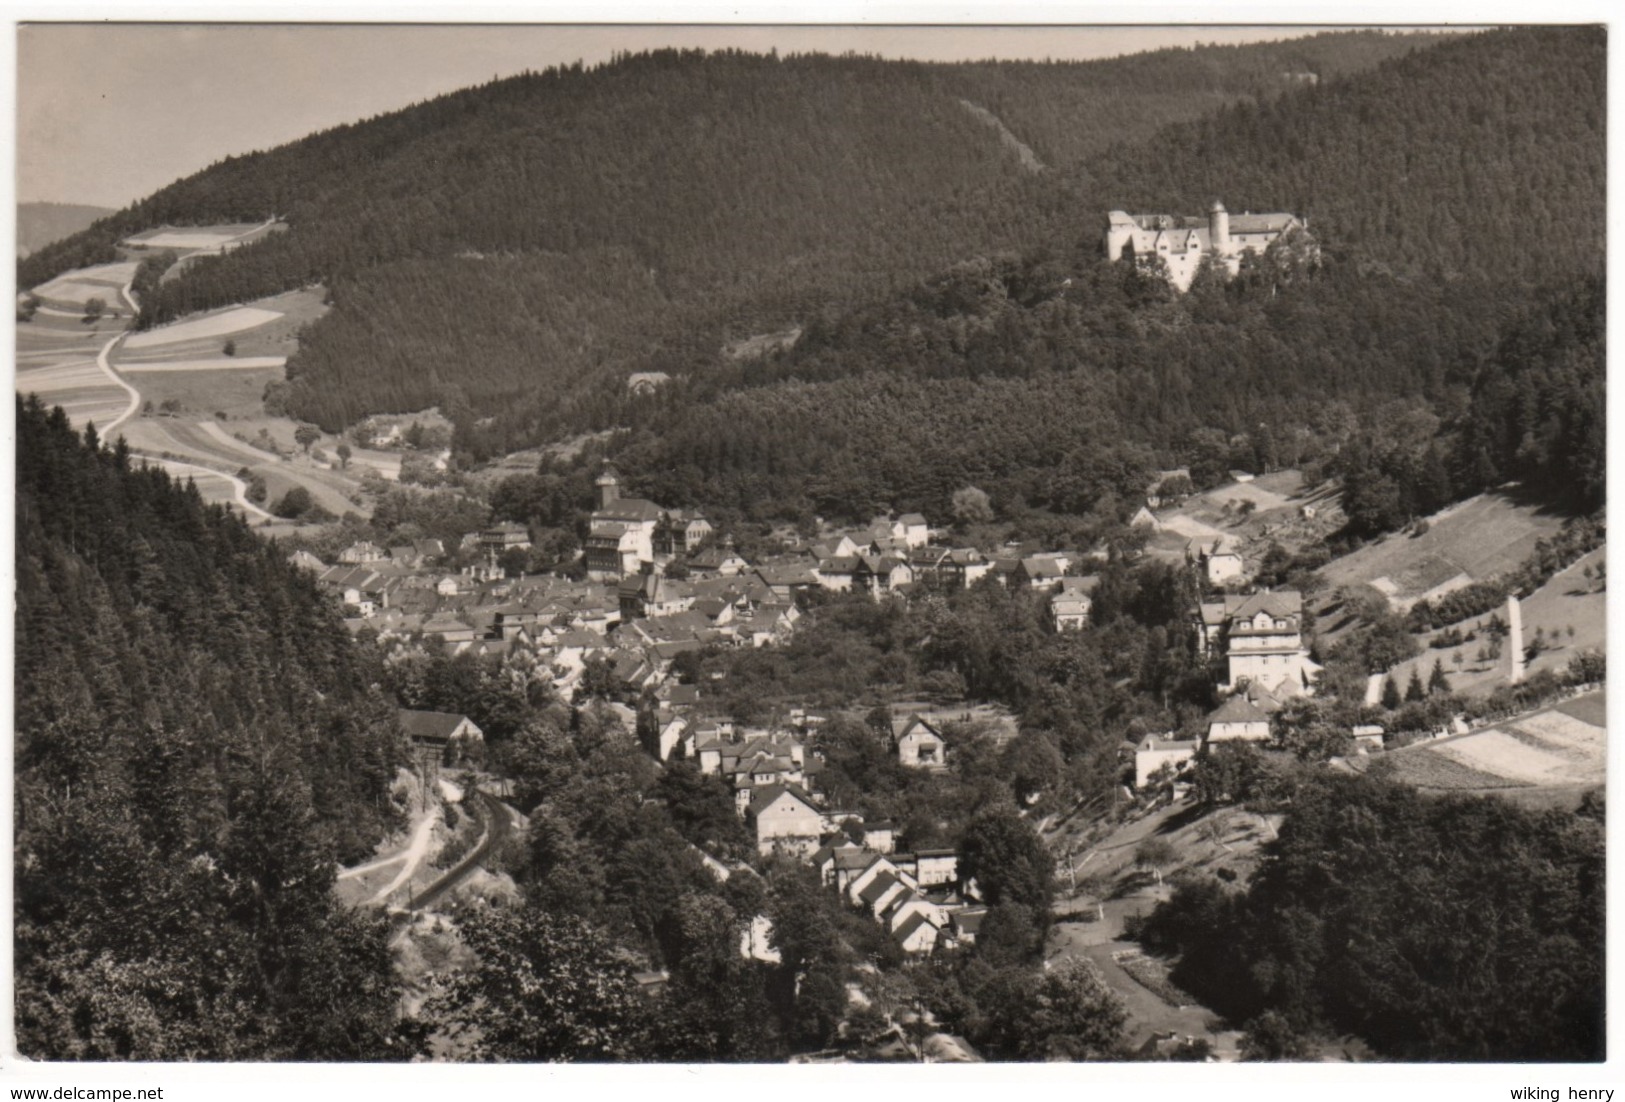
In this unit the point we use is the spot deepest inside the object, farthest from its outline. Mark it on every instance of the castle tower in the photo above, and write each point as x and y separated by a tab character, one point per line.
609	487
1119	232
1218	228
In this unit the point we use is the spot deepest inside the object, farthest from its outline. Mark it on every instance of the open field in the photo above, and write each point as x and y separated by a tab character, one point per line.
233	319
1567	600
238	393
57	360
1468	542
209	238
74	289
1563	748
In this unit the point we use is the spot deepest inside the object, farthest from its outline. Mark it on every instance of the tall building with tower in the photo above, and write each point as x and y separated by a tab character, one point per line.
627	532
1181	241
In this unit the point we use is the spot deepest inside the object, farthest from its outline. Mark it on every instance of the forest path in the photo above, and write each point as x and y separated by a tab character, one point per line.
413	855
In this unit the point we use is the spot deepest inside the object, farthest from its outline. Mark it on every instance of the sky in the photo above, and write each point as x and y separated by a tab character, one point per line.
108	113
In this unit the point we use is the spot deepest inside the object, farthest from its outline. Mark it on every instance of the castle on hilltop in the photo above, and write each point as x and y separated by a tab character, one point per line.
1182	241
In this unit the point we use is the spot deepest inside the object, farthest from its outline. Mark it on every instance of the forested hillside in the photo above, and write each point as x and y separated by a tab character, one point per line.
1396	332
1434	927
198	741
722	193
1482	158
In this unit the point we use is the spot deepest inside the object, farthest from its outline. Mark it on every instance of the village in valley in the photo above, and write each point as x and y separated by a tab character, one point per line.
1155	642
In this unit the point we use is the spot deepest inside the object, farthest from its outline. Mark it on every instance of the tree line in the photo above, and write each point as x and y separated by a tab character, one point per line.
198	743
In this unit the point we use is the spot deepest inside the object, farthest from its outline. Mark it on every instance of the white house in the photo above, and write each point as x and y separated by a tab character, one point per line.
1238	719
921	746
785	819
1156	751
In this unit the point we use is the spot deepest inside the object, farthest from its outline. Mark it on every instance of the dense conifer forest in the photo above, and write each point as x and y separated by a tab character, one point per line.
507	254
546	234
1436	928
197	745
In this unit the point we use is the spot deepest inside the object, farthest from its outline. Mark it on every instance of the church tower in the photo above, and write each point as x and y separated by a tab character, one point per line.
609	487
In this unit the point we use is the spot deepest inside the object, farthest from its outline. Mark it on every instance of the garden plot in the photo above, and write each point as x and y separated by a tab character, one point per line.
1504	755
234	320
1557	748
1564	735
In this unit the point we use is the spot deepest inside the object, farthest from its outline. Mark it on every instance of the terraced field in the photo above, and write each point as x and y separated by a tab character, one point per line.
56	358
1563	747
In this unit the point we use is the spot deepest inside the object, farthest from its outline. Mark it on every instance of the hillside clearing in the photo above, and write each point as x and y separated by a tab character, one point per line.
1568	599
1468	542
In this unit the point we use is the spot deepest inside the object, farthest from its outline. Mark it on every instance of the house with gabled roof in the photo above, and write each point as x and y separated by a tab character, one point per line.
873	866
1260	638
304	560
1238	719
718	562
916	532
506	536
1071	603
920	745
1038	572
362	553
1219	558
916	934
439	738
680	532
786	819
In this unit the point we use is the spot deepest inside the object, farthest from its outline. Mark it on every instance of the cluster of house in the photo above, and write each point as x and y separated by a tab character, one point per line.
635	610
916	897
775	781
638	626
1256	642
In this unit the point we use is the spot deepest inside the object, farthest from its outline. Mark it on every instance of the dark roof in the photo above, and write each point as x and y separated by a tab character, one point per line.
1273	222
768	793
913	922
431	725
917	721
1280	602
878	887
969	921
628	509
1238	709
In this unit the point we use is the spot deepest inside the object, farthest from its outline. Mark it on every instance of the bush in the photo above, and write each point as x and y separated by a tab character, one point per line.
294	504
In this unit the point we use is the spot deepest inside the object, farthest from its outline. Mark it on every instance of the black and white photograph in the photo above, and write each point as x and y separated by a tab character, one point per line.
779	543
